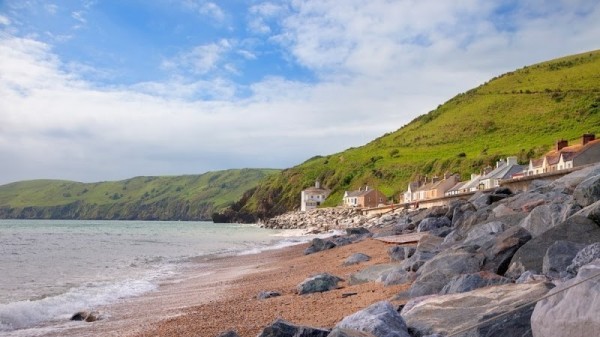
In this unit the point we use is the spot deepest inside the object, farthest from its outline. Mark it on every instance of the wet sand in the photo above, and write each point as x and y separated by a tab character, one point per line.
208	303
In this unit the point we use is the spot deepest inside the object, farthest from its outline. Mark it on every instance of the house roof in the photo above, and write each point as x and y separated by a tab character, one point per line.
503	171
358	193
567	152
317	190
458	186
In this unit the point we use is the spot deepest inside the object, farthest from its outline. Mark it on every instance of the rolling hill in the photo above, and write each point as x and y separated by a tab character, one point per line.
188	197
521	113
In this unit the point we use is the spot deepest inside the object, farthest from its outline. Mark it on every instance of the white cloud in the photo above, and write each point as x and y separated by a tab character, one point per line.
212	10
4	20
51	8
201	59
79	16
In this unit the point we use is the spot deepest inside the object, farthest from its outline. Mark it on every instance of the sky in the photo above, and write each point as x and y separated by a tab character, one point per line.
97	90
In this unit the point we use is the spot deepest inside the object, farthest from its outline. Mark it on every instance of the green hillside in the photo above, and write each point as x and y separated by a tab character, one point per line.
189	197
519	113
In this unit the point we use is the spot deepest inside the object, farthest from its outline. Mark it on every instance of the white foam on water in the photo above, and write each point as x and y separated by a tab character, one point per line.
30	313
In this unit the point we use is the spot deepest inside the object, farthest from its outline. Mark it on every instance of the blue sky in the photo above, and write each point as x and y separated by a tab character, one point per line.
104	89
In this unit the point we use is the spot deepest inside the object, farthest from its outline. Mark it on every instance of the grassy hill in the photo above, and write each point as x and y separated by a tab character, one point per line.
519	113
189	197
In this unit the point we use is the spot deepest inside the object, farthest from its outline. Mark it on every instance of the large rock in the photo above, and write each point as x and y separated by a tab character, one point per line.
318	245
399	253
484	233
430	243
339	332
418	259
229	333
372	273
588	191
546	216
559	256
379	319
449	314
531	255
572	312
319	283
429	224
469	282
397	276
591	212
438	271
282	328
499	252
356	258
584	256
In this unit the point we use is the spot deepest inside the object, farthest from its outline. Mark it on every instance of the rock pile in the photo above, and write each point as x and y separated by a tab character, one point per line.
483	265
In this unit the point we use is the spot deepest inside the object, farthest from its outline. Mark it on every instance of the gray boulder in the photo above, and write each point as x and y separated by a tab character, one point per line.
339	332
591	212
373	273
468	282
588	191
584	256
530	256
263	295
559	256
484	233
318	245
418	259
573	179
546	216
461	212
430	243
429	224
529	277
282	328
319	283
356	258
440	270
357	231
229	333
397	276
88	316
499	252
571	312
399	253
379	319
450	314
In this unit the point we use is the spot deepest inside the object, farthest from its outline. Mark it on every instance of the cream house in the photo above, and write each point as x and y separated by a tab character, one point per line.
364	197
313	197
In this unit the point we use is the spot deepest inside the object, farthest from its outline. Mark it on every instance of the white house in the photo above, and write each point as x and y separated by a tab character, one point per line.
313	197
504	170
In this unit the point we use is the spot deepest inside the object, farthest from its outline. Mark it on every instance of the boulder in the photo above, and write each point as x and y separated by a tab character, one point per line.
357	231
529	277
468	282
438	271
282	328
229	333
448	314
399	253
88	316
530	256
480	200
418	259
373	273
465	226
319	283
559	256
379	319
340	332
429	224
318	245
430	243
584	256
397	276
356	258
573	311
591	212
499	252
263	295
573	179
546	216
502	211
461	211
484	233
588	191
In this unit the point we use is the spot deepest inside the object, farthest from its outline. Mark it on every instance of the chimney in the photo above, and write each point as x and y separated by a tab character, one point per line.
511	161
562	143
435	179
317	184
588	137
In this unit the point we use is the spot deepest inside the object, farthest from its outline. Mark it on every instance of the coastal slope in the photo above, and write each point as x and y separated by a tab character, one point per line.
187	197
521	113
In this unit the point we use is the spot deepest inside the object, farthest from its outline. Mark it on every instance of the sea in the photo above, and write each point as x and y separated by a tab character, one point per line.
50	269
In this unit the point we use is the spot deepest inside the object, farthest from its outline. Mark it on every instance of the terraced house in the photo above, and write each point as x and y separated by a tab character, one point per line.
564	157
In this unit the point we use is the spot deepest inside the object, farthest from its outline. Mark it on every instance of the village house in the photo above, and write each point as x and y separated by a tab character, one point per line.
313	197
564	157
436	188
505	169
465	186
364	197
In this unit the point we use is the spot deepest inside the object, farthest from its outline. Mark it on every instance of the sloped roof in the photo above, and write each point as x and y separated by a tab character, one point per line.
458	186
504	171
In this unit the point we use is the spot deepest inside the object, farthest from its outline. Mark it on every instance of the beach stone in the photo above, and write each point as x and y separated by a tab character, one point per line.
529	277
546	216
430	243
356	258
499	252
530	256
340	332
93	316
318	245
229	333
559	256
417	260
399	253
397	276
440	270
80	316
502	211
588	191
447	314
573	179
484	233
263	295
319	283
429	224
468	282
282	328
584	256
373	273
472	221
480	200
461	212
571	312
436	211
379	319
591	212
357	231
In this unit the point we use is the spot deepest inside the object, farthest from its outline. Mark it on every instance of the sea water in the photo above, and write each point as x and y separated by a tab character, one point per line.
50	269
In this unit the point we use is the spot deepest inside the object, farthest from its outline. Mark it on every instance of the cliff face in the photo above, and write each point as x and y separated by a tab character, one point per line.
192	197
